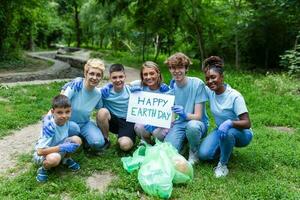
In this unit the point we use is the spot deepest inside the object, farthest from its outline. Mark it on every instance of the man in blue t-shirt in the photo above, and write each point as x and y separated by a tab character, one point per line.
190	98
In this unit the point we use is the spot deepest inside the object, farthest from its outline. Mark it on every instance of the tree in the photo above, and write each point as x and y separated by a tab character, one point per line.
67	8
272	29
21	23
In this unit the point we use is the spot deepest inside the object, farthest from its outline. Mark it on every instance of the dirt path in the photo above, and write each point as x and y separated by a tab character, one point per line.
22	141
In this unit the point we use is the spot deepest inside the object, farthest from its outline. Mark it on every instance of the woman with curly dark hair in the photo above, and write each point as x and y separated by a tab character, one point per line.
231	117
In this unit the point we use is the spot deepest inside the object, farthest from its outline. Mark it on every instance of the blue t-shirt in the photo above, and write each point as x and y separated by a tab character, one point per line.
228	105
146	88
83	102
117	102
60	133
191	94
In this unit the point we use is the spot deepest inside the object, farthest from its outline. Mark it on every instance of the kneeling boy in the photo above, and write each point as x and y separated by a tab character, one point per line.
54	145
112	117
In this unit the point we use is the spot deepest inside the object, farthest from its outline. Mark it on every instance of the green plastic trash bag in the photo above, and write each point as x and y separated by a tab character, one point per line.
133	162
183	169
160	166
156	173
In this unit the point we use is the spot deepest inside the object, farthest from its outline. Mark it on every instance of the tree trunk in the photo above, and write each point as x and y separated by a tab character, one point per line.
31	42
266	58
144	43
157	46
101	41
200	42
237	7
237	58
296	42
69	40
77	25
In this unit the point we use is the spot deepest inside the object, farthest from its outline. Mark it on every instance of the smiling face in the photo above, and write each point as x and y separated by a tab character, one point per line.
61	115
214	80
92	77
178	65
178	72
118	80
150	77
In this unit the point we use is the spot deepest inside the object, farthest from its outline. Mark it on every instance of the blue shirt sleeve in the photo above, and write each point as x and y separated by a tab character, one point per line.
69	92
99	104
201	93
239	106
43	142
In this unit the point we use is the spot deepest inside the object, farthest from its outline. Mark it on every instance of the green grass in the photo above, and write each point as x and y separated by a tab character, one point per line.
23	64
269	168
23	105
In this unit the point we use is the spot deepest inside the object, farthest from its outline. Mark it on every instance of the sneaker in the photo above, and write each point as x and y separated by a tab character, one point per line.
42	175
193	157
221	170
74	166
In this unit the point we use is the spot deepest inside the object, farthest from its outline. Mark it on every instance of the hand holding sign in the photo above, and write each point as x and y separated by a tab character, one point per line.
178	109
164	88
152	108
150	128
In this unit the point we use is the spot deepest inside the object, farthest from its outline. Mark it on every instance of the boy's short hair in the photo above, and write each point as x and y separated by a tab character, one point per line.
178	59
61	101
94	63
116	68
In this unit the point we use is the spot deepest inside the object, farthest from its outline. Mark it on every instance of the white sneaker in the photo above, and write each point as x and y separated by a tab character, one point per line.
221	170
193	157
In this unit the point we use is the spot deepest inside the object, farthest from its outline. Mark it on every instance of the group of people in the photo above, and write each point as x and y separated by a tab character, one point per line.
68	124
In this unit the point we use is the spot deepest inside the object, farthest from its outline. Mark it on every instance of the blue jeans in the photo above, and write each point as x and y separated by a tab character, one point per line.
193	130
212	146
91	133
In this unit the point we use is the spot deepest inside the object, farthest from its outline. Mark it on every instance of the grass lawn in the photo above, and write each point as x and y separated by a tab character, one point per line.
269	168
23	64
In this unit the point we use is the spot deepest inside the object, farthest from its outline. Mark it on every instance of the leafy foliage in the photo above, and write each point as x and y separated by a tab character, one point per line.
251	33
27	24
291	60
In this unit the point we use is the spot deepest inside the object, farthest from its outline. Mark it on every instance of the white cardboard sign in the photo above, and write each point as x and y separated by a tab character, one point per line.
150	108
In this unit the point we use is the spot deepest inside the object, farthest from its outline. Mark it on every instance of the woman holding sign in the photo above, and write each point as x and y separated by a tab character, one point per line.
231	116
151	81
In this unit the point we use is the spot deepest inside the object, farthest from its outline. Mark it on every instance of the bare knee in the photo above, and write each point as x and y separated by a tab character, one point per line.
160	133
138	129
141	132
125	143
52	160
103	115
76	139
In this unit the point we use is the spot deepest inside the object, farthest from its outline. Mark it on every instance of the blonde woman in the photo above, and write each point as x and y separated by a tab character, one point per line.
85	96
